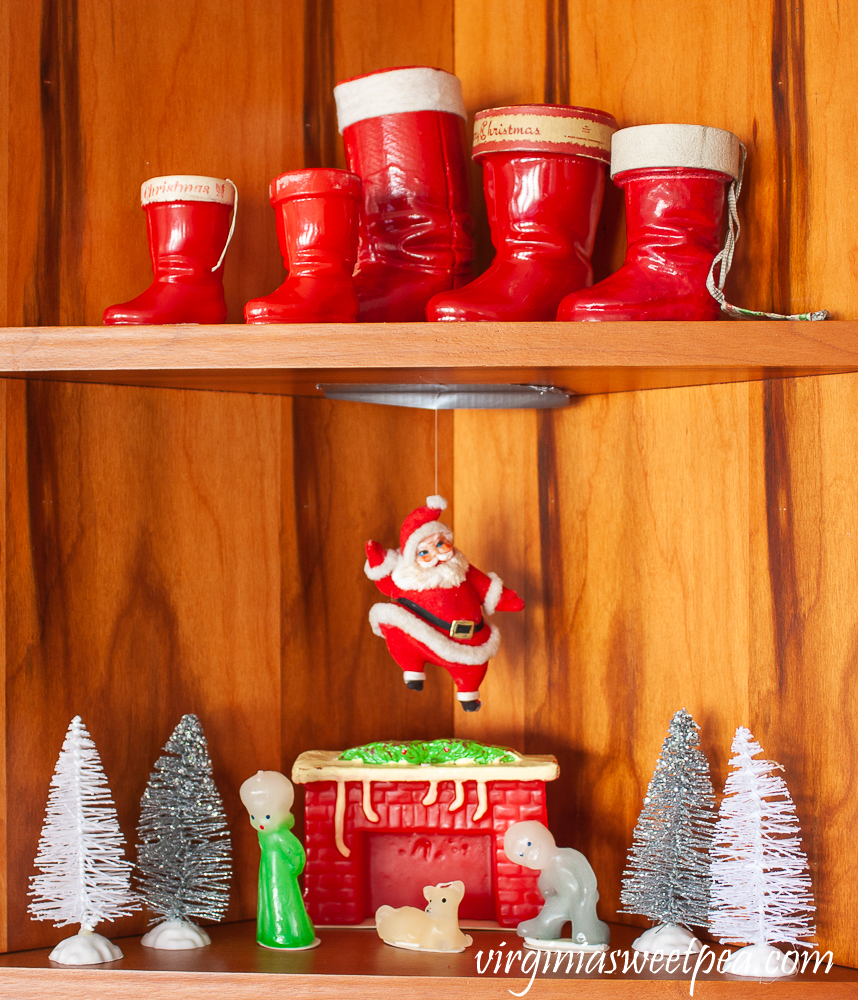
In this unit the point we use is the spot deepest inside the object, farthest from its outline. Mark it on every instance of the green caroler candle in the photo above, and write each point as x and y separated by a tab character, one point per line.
281	920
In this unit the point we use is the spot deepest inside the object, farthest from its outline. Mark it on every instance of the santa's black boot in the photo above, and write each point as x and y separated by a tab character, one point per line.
414	679
469	700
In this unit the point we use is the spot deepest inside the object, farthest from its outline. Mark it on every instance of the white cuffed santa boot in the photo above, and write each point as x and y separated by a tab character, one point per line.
404	136
675	180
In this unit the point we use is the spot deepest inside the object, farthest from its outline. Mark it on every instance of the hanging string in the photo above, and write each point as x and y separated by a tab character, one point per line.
436	452
725	260
231	225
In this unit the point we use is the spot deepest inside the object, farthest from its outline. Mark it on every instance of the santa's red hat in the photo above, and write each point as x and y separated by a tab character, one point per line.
421	523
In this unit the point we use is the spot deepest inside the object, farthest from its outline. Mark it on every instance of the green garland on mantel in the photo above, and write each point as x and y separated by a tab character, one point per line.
430	752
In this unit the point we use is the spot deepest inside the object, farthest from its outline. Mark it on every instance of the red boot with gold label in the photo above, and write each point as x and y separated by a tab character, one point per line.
188	222
404	136
317	213
543	177
675	179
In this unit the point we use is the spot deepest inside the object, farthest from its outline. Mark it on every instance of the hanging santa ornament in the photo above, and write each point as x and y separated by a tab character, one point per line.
543	178
404	136
678	180
437	604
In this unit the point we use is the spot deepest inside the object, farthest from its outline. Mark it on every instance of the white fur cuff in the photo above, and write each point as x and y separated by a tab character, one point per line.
449	650
392	91
685	146
384	568
493	594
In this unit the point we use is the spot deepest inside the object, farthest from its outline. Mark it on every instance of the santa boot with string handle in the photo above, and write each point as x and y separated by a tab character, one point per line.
678	181
189	229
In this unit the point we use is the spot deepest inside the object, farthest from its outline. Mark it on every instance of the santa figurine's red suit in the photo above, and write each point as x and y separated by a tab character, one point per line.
437	604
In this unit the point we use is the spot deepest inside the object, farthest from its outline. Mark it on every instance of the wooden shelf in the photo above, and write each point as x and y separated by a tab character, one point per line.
355	963
582	357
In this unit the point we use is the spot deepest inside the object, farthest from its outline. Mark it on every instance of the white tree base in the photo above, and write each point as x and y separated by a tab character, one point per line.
760	961
561	944
176	935
85	948
667	939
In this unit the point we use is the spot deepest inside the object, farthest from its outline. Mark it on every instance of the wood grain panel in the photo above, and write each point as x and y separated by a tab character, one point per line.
637	562
804	626
5	816
647	62
134	90
500	52
143	567
357	472
690	547
498	67
321	142
496	477
379	34
825	261
646	597
384	33
23	154
6	63
199	87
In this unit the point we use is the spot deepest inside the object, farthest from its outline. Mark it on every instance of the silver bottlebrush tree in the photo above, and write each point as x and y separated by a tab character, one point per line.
183	857
668	878
84	877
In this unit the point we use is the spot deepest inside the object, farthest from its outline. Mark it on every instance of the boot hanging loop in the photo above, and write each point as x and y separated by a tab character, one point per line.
231	226
725	260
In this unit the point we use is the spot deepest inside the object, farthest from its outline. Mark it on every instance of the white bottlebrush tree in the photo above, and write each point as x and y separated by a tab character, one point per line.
761	891
668	878
84	878
183	858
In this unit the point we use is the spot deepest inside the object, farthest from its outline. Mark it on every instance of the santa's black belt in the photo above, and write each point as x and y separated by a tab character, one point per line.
459	629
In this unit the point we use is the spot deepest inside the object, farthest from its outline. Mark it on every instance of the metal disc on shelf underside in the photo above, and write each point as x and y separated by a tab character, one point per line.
451	397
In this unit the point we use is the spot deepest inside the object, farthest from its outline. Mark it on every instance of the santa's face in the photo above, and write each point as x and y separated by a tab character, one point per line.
433	550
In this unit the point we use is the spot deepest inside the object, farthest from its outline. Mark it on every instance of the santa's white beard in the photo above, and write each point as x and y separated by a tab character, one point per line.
413	576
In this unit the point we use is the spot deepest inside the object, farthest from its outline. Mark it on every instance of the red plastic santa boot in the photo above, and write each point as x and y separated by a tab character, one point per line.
543	177
675	179
404	135
188	222
317	214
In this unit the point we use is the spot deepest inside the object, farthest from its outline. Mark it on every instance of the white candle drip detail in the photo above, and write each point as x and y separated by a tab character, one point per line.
482	801
339	814
459	799
368	811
